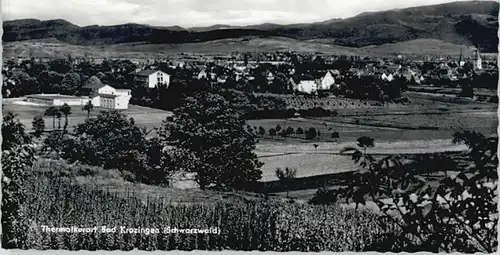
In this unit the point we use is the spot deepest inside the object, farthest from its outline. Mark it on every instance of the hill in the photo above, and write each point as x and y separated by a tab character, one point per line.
469	22
20	30
417	47
52	47
472	23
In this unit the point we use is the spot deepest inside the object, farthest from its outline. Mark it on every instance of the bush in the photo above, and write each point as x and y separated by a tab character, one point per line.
262	131
272	132
38	125
335	135
324	196
311	133
459	214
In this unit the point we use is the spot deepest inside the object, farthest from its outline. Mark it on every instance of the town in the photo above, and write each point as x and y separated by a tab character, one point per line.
277	73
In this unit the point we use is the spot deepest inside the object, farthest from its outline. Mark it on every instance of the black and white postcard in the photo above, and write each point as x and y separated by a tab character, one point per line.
251	125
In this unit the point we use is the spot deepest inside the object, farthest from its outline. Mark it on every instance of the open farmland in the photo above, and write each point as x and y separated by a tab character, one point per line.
294	102
426	125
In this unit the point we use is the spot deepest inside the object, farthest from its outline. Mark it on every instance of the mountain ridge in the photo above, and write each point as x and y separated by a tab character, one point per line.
468	22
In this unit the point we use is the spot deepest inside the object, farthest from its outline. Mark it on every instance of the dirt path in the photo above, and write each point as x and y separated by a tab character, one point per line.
266	148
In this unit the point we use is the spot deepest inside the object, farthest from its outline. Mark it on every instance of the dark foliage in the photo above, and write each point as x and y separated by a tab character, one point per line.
17	159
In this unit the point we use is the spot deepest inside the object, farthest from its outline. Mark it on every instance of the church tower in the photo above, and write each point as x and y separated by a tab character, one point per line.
461	62
478	62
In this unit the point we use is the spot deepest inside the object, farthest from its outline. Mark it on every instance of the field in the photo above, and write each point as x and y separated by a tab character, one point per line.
143	116
426	125
255	224
53	47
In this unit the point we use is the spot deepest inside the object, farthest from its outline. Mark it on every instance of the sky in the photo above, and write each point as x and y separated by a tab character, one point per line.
189	13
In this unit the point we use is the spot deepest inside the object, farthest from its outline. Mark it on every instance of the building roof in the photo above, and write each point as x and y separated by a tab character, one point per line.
52	96
94	83
107	95
145	73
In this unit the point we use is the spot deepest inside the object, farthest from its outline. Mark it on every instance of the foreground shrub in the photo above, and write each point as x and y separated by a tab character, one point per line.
324	196
458	214
17	159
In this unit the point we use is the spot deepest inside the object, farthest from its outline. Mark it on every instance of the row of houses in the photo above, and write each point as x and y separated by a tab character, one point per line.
318	80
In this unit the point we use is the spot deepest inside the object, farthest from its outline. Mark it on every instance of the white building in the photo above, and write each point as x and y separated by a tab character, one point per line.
202	74
307	86
327	81
56	99
386	77
152	78
103	95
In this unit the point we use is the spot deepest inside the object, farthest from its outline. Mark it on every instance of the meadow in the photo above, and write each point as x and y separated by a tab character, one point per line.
144	116
251	224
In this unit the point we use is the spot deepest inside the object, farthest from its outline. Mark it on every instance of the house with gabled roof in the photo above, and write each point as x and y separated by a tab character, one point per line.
328	80
202	74
103	95
151	78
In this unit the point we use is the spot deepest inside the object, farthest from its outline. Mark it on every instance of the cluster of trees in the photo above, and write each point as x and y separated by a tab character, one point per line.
309	134
371	88
206	136
56	112
61	76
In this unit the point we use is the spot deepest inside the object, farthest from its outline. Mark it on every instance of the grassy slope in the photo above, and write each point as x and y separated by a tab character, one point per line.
51	48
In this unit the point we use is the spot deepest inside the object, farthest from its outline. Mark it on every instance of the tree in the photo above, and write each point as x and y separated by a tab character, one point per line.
458	214
335	135
20	83
61	65
209	130
366	142
272	132
289	131
38	125
311	133
17	160
70	84
286	176
65	110
49	81
52	112
467	91
88	107
110	140
262	131
299	131
54	143
59	116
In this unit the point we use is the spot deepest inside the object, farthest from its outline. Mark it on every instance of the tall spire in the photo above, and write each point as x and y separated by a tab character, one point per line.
478	60
460	59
